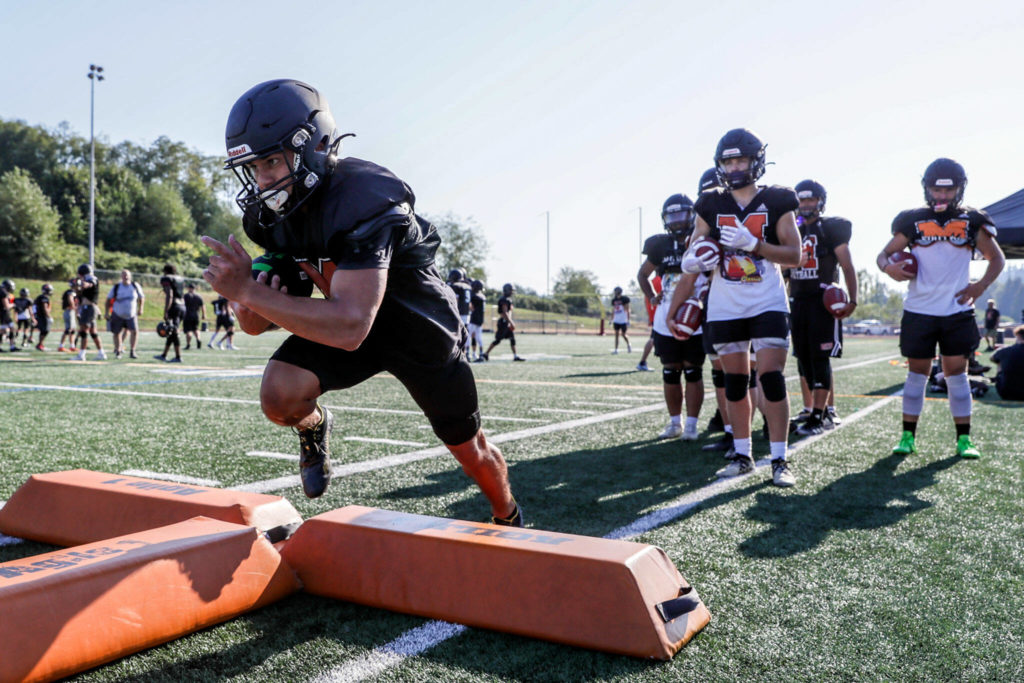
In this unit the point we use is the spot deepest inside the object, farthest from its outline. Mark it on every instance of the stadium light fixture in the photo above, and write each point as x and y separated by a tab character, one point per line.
95	74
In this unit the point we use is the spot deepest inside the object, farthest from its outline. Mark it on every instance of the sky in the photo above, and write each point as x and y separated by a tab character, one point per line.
560	127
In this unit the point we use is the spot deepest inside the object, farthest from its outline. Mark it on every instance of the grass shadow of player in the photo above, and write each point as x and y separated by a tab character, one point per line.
870	499
587	491
617	373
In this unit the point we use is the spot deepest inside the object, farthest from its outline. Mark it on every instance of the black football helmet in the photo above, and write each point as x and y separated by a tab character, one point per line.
678	215
165	329
478	285
708	181
84	270
47	288
287	116
807	189
740	142
944	173
8	286
23	293
507	289
456	275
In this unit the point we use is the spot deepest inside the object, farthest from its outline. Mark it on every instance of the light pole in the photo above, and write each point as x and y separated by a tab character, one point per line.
95	74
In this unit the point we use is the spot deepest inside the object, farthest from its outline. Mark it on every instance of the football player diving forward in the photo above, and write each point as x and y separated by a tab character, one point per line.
747	302
679	358
938	307
817	333
356	220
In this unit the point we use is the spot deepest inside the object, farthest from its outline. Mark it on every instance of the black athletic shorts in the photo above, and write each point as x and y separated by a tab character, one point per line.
433	369
622	327
671	350
87	314
43	324
816	332
191	323
175	314
225	321
117	323
504	332
956	335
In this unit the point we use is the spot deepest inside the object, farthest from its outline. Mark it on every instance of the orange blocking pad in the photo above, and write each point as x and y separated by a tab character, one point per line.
610	595
70	610
82	506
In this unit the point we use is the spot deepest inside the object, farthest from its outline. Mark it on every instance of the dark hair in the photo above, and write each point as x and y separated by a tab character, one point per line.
169	269
1019	331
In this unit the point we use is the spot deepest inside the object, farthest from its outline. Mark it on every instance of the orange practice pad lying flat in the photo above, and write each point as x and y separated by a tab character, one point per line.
596	593
82	506
70	610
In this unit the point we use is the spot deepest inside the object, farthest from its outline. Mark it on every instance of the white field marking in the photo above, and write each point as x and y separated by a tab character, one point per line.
273	454
10	540
393	460
568	411
598	404
180	478
204	372
388	655
496	418
626	398
392	442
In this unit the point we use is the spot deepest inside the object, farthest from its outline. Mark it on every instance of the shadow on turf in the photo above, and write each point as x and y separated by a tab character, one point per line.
874	498
602	374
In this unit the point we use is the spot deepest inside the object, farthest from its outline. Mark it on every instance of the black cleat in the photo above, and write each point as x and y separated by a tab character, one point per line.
515	519
315	455
716	424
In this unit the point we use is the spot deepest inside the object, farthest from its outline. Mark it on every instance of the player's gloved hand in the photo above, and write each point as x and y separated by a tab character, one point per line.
691	263
738	237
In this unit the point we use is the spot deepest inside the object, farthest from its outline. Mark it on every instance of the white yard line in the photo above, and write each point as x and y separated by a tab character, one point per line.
180	478
598	404
392	442
273	454
567	411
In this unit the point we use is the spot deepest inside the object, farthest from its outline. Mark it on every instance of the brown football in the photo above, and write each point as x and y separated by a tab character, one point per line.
835	299
688	317
908	260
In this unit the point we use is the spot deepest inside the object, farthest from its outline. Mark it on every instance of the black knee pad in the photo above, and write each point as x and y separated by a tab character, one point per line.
736	386
822	368
718	378
693	375
753	379
773	384
671	376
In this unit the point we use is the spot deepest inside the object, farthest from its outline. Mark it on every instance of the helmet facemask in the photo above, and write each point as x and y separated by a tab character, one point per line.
734	180
679	223
951	205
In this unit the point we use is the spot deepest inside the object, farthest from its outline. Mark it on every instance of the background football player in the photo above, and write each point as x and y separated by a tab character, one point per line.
747	302
174	311
506	328
88	311
620	318
376	256
478	306
818	333
463	301
679	358
938	308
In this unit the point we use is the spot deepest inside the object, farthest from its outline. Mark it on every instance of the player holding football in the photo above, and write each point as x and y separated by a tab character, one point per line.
506	328
174	311
817	332
354	219
747	302
938	307
679	358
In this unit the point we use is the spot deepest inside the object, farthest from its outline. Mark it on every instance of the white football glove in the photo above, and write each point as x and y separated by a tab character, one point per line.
738	237
691	263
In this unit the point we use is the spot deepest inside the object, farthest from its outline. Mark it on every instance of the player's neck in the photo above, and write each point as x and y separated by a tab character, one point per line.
744	195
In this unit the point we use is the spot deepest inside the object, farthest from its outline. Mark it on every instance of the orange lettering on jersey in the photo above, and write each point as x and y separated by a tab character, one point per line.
755	223
954	231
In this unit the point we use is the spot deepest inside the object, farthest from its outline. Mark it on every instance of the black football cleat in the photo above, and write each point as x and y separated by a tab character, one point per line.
716	424
515	519
315	455
722	444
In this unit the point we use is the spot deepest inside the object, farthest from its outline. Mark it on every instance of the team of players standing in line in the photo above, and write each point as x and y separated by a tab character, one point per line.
767	234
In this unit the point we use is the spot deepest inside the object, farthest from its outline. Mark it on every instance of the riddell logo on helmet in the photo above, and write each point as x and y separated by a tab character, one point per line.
731	152
944	182
239	151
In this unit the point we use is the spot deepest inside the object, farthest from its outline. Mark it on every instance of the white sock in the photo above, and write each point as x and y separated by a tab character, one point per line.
742	446
674	419
728	429
691	424
778	450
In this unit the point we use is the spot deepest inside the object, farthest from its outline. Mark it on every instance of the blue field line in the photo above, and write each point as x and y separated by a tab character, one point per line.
107	385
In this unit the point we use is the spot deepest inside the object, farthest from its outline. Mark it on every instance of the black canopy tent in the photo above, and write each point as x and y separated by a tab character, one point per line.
1008	215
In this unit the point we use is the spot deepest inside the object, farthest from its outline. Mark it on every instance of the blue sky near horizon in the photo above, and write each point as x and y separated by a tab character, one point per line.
594	112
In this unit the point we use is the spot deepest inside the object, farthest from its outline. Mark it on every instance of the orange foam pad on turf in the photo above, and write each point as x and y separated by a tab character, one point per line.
82	506
73	609
595	593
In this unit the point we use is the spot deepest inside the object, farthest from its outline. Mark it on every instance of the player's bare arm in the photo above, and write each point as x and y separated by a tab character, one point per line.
849	277
643	278
342	322
993	253
683	291
898	242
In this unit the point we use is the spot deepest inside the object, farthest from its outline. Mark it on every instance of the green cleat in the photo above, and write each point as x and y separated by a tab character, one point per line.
966	449
906	445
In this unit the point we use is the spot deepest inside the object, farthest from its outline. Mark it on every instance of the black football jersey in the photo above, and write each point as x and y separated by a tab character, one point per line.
193	302
476	317
364	218
718	208
67	300
820	240
665	253
924	227
41	301
90	290
175	285
21	304
504	306
463	295
220	306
